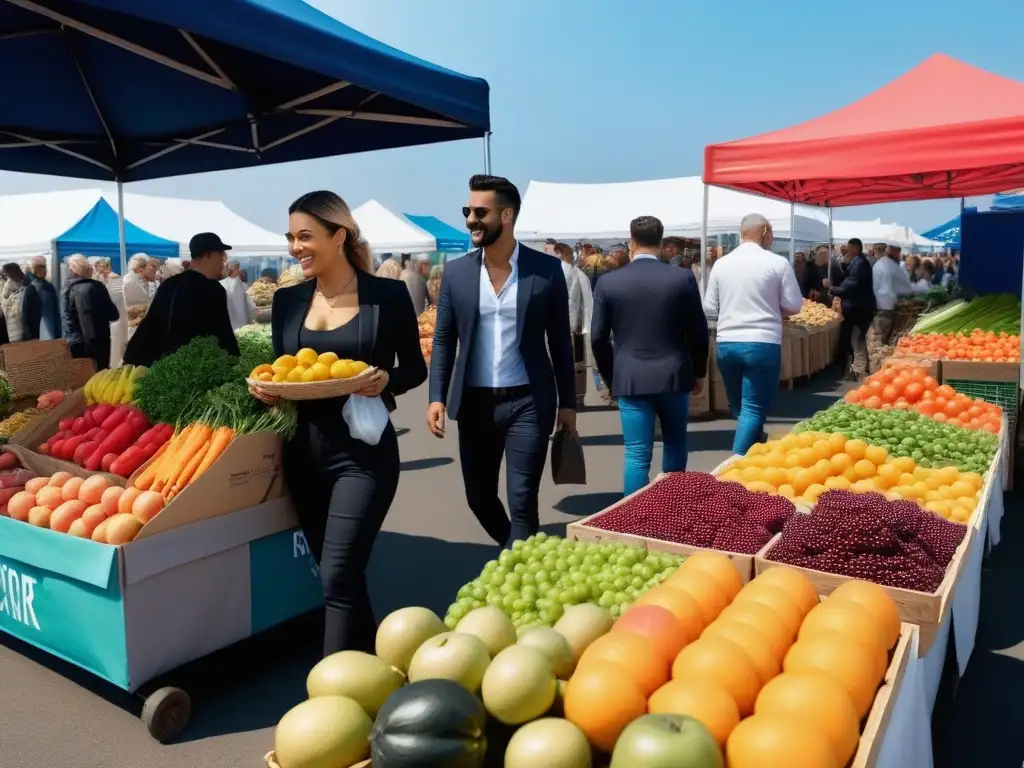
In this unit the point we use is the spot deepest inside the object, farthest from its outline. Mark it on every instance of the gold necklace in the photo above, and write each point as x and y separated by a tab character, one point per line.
337	296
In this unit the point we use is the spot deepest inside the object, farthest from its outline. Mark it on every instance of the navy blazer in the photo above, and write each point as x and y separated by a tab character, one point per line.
542	307
648	330
387	329
857	291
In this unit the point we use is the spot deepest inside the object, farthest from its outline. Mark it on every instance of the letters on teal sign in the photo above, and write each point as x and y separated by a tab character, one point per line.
18	596
285	579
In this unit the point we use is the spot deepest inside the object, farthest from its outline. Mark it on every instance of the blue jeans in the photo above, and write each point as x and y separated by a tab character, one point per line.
637	417
750	373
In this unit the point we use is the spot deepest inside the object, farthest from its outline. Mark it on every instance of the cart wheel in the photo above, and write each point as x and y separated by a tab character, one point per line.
166	712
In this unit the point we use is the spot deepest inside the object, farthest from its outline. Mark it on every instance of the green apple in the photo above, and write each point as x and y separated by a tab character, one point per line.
666	741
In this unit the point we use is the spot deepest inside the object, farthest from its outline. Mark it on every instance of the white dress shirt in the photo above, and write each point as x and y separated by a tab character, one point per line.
890	281
748	292
241	308
495	360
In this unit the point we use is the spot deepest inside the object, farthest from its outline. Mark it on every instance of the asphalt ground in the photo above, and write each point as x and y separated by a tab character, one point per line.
56	716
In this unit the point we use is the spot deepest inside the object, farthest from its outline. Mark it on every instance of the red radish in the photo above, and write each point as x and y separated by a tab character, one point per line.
40	516
43	450
101	412
21	504
122	528
92	489
147	506
81	426
115	419
14	478
108	461
99	533
109	500
36	484
8	461
80	529
69	491
124	504
66	514
49	497
83	450
65	425
93	516
57	479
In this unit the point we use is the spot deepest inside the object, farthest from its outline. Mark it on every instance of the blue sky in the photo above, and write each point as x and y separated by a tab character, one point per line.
610	90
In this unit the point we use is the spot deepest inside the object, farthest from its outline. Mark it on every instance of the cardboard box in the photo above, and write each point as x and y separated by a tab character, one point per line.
40	430
128	614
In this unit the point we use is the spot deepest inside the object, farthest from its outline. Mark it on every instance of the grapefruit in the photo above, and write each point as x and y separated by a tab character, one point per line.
796	584
877	602
846	618
722	662
844	660
703	588
701	699
680	604
770	741
717	566
634	653
817	700
763	620
657	624
776	600
602	700
753	644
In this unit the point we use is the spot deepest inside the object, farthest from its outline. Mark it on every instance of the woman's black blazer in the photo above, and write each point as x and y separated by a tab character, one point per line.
387	329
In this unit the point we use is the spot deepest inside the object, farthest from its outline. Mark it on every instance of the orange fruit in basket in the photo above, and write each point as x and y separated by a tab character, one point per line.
879	658
770	741
847	618
818	701
680	604
753	644
703	700
796	584
306	357
877	602
724	663
845	660
761	618
717	566
601	700
703	588
636	654
658	625
785	607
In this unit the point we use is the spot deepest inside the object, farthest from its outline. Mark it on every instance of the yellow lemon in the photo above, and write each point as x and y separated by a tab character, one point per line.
284	363
307	375
306	357
788	491
973	478
876	454
320	371
341	370
265	377
296	373
327	358
358	366
279	377
959	515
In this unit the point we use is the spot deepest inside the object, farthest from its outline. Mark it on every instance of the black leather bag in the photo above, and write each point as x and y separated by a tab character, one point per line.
568	467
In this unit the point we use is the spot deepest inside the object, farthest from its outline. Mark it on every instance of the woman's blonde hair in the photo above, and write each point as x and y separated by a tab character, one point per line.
333	214
390	269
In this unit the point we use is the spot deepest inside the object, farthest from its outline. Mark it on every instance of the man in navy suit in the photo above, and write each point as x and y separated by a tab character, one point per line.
496	308
650	342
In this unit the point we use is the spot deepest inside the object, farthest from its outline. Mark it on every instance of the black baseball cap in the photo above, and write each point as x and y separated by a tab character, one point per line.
206	242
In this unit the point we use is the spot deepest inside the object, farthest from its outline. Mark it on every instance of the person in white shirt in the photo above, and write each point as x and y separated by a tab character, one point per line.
139	280
748	292
581	307
241	308
890	281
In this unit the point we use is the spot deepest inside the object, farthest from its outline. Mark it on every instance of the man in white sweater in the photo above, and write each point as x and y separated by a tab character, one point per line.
749	291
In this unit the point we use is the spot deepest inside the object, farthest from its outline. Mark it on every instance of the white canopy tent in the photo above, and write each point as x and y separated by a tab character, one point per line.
179	219
387	232
876	231
603	211
30	223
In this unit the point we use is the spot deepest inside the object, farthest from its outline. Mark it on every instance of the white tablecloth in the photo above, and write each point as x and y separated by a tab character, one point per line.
907	739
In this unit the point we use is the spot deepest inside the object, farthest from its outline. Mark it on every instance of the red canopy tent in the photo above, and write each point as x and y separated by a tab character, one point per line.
944	129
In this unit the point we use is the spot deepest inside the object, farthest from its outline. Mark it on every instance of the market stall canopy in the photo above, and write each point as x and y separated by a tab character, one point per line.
449	239
387	232
96	234
179	218
1008	201
128	90
949	233
898	143
603	211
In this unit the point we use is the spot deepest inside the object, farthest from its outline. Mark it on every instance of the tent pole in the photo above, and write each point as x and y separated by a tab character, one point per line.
704	240
487	153
830	234
792	233
120	227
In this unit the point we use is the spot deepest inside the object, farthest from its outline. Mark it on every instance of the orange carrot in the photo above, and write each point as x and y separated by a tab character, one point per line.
218	444
161	468
145	480
199	435
186	474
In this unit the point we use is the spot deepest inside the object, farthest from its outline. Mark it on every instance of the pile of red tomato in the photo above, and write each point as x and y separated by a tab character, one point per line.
911	386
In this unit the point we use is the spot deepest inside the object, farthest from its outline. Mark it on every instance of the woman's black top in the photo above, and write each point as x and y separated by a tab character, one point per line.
385	330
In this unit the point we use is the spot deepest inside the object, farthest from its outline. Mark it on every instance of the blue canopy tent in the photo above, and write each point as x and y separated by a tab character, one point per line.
948	233
1008	201
124	90
97	234
449	239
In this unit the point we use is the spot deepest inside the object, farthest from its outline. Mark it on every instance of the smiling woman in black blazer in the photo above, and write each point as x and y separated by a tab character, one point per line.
343	487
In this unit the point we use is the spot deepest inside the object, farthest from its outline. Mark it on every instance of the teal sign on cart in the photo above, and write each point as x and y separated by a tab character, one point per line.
285	579
61	593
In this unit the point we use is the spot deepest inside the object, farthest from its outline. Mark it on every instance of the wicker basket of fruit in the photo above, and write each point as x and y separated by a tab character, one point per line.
307	375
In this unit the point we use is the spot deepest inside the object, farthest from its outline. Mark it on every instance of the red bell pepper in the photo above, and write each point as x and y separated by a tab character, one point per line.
115	419
68	450
117	442
101	412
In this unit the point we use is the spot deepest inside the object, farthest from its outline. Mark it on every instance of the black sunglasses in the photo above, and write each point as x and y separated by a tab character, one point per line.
480	213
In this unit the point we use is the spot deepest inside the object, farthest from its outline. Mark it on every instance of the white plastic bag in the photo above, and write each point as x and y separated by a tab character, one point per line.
367	418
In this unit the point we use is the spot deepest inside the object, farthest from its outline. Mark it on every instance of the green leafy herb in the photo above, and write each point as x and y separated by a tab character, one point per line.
174	389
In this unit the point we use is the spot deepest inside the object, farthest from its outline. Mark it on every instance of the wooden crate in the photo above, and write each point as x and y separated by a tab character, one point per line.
585	530
880	714
927	611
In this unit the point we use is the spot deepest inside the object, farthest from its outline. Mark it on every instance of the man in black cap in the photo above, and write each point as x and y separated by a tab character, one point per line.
187	306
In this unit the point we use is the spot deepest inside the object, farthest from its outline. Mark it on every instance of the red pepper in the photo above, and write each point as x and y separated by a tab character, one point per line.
118	441
150	435
83	451
101	412
80	427
55	448
66	424
70	446
108	461
129	461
